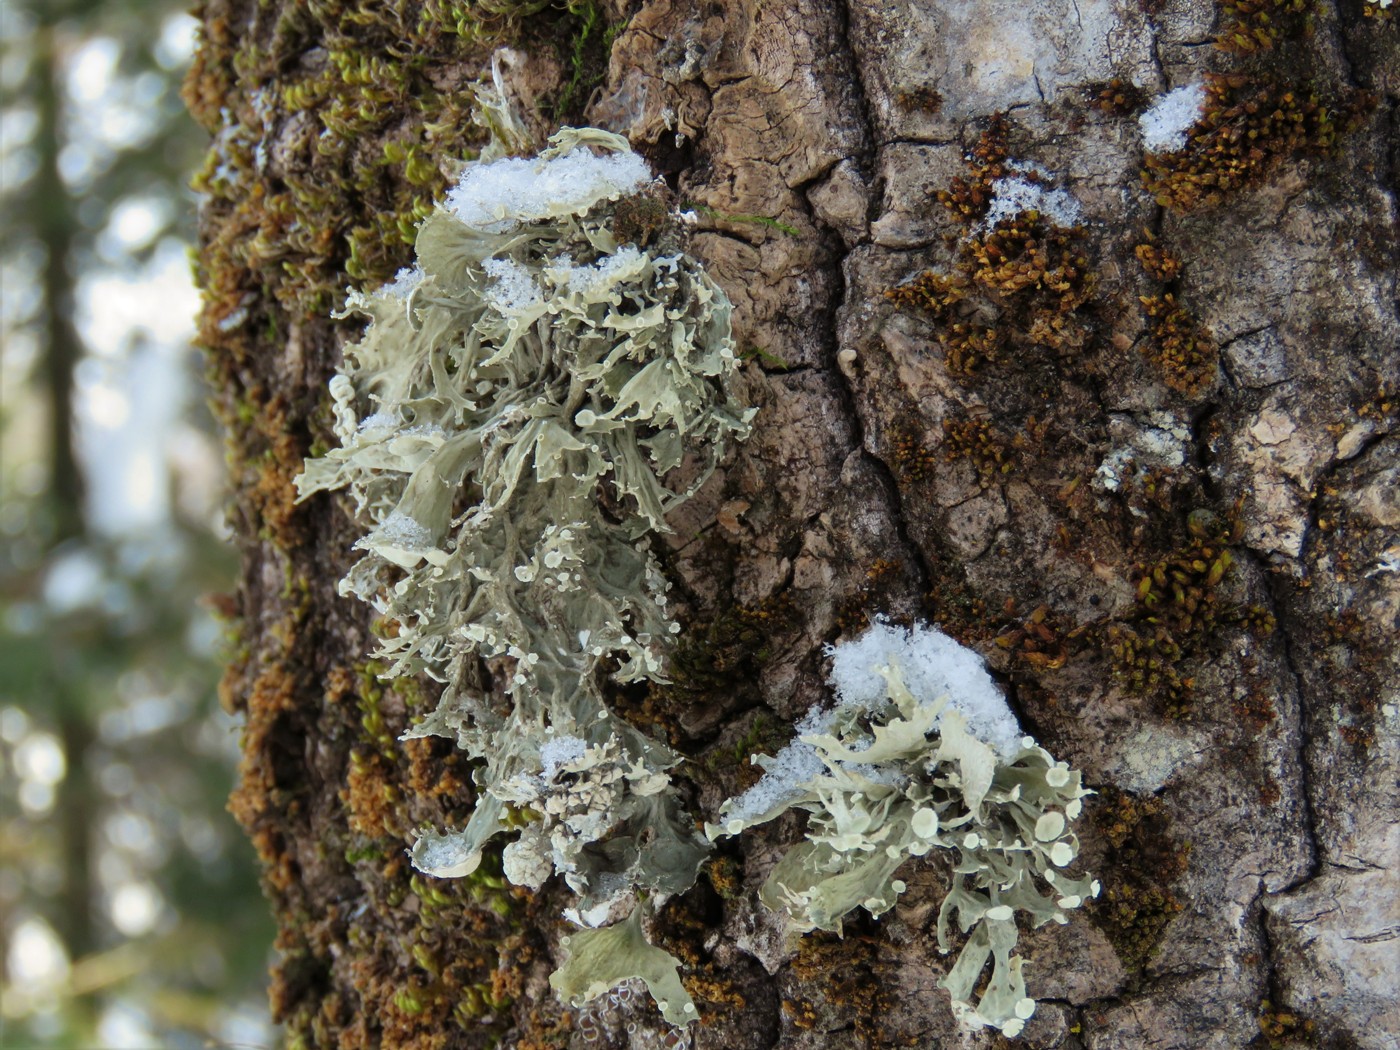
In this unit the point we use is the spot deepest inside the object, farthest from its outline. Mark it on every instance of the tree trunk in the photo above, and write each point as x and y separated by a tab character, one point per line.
1137	448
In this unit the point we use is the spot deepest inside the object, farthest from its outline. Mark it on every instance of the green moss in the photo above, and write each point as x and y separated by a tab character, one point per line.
588	48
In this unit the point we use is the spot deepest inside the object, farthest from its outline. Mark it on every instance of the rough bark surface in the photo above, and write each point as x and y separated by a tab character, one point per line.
1239	723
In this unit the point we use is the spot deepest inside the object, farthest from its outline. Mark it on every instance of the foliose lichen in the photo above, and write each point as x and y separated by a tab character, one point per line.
510	426
920	752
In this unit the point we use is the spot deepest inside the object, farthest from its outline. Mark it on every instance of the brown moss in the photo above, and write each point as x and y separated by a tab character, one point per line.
1158	262
882	579
1042	639
910	458
1029	274
640	218
370	799
1140	864
683	927
853	988
1257	710
1282	1029
726	877
968	198
1250	26
922	99
1247	128
710	658
991	453
1116	97
1180	346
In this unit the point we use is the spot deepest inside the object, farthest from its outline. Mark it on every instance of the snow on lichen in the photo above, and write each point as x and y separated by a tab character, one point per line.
919	752
511	426
1165	123
498	196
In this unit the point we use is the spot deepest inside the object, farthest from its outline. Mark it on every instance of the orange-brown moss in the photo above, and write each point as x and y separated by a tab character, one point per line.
881	581
968	198
683	927
638	219
1028	273
1180	346
1247	128
852	980
910	458
991	453
1281	1029
1250	26
1141	863
1116	97
1042	640
1157	261
922	99
1180	610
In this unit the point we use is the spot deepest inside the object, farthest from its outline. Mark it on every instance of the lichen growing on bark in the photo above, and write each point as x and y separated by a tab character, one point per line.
508	425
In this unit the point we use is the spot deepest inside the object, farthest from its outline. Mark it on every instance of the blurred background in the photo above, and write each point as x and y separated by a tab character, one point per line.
129	909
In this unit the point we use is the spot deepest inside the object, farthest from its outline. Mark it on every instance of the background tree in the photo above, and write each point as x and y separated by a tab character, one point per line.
127	908
1134	444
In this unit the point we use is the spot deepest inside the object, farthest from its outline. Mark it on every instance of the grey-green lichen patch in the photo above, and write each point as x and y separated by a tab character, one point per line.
510	425
892	772
602	959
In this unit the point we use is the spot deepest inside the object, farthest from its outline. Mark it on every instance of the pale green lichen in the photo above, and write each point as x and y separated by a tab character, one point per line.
510	425
892	773
602	959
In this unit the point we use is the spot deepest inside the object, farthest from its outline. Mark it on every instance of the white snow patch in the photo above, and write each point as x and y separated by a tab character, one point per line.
1165	123
379	422
514	289
1015	195
792	767
590	279
560	751
496	196
932	666
401	531
403	284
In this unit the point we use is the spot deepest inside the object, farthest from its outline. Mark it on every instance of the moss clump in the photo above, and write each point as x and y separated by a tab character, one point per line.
921	99
1250	26
968	198
991	453
1041	640
1180	611
1247	128
909	457
1027	272
710	659
875	594
1180	346
1158	262
1116	97
853	987
1283	1029
1015	288
640	219
1141	863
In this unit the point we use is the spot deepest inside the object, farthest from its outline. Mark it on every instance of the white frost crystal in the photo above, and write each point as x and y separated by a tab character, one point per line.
527	370
921	751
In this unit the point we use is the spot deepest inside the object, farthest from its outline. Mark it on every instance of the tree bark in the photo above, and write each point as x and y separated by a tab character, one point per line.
1155	488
